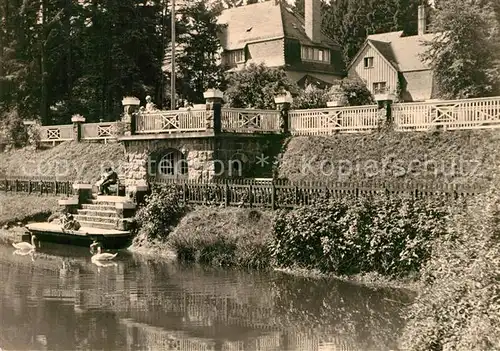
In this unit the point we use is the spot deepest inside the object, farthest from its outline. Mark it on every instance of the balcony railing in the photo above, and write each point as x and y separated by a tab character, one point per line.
453	114
171	121
327	121
250	121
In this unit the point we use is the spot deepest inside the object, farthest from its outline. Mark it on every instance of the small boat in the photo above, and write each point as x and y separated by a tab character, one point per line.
85	236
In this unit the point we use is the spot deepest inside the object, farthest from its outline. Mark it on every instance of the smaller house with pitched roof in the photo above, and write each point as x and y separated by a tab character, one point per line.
271	33
391	63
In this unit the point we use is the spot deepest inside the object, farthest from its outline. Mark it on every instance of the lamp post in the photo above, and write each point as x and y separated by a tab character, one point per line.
172	83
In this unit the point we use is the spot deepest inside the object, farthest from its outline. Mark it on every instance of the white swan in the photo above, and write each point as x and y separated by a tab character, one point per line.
24	246
93	247
102	256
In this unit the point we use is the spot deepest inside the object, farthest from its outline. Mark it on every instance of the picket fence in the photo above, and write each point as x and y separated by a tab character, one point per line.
272	194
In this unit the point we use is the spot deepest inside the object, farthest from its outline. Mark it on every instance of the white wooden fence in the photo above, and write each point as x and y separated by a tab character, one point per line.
56	133
327	121
90	131
249	120
451	114
173	121
99	131
420	116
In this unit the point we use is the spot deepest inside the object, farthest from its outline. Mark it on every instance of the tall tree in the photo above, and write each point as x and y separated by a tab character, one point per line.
19	51
61	57
349	22
465	52
199	62
121	49
299	7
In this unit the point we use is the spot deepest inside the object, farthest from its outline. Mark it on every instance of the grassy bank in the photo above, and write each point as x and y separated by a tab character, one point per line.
225	237
81	161
25	208
451	156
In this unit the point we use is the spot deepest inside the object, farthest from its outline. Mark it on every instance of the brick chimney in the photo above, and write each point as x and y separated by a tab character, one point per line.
422	20
313	19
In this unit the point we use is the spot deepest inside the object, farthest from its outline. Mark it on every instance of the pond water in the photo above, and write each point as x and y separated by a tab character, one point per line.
57	299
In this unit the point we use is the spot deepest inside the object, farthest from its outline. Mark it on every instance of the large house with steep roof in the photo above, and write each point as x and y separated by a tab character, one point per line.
271	33
391	63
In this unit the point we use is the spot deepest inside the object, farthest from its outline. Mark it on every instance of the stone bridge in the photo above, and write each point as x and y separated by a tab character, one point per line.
200	143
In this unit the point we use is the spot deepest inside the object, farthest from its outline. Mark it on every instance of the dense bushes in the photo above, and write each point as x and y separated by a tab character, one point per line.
255	86
158	217
390	236
349	92
459	306
310	97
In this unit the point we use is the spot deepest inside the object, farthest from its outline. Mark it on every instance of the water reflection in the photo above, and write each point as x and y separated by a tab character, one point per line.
62	301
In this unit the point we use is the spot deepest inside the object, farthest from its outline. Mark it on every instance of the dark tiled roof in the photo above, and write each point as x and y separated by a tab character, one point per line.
264	21
403	52
249	23
293	25
386	51
308	79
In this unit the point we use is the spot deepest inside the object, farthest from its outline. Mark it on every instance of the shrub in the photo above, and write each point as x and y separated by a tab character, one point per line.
310	97
390	236
303	236
255	86
459	305
350	92
15	132
159	215
356	92
33	136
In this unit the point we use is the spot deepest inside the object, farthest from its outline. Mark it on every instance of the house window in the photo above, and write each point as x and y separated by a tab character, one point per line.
235	56
379	87
173	164
368	62
309	53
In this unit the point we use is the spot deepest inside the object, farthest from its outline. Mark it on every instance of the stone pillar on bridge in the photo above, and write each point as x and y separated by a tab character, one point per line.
130	108
77	121
214	99
283	103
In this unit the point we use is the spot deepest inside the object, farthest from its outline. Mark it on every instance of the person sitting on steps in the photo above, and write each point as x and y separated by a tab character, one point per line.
109	178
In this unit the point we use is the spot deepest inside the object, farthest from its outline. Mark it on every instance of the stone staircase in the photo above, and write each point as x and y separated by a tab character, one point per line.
105	212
